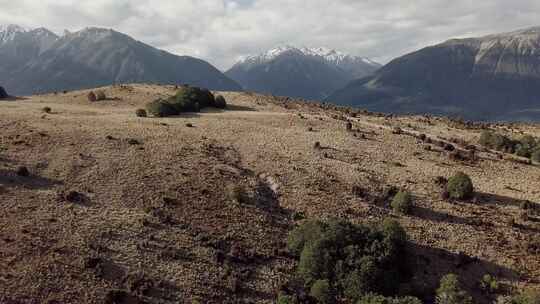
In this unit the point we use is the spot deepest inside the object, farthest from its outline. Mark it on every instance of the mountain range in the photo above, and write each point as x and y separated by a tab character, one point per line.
495	77
310	73
38	60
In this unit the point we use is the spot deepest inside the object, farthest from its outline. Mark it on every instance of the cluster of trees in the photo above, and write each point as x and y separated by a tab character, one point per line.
528	146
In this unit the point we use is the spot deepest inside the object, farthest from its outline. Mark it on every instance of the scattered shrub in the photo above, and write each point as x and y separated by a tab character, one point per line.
489	284
378	299
450	292
160	108
349	126
535	155
100	95
317	145
322	292
191	99
496	141
47	110
91	96
402	202
140	113
528	297
460	186
287	299
220	102
23	171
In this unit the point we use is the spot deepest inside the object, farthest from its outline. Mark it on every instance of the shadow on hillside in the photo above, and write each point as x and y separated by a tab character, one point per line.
10	178
13	98
435	216
432	264
229	108
495	199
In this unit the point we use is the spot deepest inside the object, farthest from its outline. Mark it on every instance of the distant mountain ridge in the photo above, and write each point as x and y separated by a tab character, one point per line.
34	61
495	77
311	73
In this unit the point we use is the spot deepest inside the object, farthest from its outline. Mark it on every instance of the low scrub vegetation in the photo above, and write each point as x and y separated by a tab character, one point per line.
186	99
403	202
527	146
450	291
460	186
338	259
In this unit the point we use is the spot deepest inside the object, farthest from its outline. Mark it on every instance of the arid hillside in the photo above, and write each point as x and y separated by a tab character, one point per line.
114	208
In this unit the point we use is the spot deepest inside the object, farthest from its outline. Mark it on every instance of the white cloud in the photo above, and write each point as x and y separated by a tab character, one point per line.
221	31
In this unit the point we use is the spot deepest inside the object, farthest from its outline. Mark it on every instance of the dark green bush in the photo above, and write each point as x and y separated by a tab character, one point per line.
497	141
528	297
489	284
450	292
309	230
356	259
160	108
47	110
460	186
378	299
220	102
322	292
140	113
191	99
287	299
402	202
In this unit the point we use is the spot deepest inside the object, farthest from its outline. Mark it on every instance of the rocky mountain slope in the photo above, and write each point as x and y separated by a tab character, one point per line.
496	77
39	61
310	73
114	208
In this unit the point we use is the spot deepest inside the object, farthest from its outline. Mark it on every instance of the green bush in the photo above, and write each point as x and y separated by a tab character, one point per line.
450	292
297	238
160	108
535	155
496	141
489	284
140	113
287	299
356	259
460	186
322	292
378	299
191	99
528	297
220	102
402	202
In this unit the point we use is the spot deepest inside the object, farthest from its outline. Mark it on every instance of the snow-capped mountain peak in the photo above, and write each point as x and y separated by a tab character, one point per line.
8	32
326	54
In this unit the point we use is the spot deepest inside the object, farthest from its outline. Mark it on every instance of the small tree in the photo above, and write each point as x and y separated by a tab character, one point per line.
322	292
450	292
220	102
91	96
460	186
160	108
140	113
402	202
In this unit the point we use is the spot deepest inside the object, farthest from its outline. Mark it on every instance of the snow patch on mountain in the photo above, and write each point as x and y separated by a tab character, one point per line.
326	54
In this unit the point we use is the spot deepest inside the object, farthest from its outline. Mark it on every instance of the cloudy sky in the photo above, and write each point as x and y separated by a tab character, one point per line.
221	31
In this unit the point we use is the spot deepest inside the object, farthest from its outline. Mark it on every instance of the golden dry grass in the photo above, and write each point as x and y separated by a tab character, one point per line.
157	220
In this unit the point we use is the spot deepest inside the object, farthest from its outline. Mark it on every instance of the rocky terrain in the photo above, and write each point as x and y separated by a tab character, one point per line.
101	206
39	61
496	78
310	73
